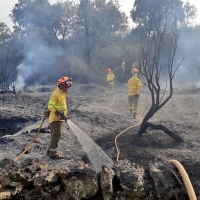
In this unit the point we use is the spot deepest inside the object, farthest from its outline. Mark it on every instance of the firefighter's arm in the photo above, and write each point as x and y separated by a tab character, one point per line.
52	103
139	84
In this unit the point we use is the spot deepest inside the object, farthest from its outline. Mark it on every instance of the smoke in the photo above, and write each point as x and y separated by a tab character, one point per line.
39	63
188	48
23	74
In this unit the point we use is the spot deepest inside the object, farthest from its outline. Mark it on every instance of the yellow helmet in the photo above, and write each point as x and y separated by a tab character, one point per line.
134	70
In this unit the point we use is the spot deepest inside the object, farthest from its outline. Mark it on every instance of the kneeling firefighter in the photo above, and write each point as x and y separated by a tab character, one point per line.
58	114
134	86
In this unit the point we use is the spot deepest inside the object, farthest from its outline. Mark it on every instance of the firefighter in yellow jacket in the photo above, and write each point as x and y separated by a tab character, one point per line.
58	114
134	86
122	68
110	82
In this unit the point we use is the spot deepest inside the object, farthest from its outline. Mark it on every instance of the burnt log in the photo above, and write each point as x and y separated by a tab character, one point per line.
147	125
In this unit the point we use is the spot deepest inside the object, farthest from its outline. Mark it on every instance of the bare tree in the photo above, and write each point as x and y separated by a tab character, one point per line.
152	45
7	76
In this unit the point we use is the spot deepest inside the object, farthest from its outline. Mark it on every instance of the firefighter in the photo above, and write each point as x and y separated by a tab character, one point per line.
141	75
122	69
58	114
135	64
144	67
134	86
110	82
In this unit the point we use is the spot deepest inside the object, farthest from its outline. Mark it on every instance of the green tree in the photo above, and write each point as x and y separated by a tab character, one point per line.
55	23
143	10
190	13
63	19
29	12
5	38
97	21
31	16
5	33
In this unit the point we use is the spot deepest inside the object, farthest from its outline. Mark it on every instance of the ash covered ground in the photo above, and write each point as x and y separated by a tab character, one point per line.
102	118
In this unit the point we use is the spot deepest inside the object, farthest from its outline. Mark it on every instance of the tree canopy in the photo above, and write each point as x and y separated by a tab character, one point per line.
90	34
143	11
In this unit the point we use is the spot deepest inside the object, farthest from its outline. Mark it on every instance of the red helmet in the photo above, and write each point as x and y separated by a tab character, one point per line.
65	81
108	70
134	70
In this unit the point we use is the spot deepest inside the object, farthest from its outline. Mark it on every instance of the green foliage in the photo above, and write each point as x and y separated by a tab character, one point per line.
85	35
27	12
5	33
97	21
143	11
190	13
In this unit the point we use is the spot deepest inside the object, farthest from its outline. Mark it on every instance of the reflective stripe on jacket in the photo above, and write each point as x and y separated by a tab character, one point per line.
110	76
134	85
57	101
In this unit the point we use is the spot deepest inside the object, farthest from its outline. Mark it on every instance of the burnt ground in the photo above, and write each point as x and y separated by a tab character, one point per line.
103	118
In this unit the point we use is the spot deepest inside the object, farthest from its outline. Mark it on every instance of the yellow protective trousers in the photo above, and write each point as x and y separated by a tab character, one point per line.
133	103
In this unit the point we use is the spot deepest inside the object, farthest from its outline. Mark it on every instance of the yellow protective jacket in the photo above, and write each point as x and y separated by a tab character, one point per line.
57	101
134	85
144	67
123	66
110	77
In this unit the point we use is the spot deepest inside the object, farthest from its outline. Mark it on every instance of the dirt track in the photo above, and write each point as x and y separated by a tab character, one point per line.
103	118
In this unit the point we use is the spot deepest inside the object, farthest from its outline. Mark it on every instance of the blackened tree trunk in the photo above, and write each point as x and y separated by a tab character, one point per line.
152	48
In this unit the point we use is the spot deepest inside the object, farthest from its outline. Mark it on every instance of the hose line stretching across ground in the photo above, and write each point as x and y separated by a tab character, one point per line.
182	171
117	149
30	144
114	93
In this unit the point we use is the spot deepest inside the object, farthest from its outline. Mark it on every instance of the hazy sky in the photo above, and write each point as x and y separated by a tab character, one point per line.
126	5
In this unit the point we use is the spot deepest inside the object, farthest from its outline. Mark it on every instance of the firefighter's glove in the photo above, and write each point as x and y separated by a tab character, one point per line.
64	117
61	114
46	113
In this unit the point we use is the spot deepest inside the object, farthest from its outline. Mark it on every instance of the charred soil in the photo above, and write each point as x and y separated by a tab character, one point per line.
102	118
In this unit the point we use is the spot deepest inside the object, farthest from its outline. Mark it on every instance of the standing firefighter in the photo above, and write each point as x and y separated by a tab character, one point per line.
134	86
110	82
142	72
58	114
122	69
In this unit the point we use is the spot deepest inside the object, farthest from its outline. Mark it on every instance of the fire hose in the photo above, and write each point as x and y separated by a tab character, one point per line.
114	93
37	133
117	149
31	142
186	179
181	169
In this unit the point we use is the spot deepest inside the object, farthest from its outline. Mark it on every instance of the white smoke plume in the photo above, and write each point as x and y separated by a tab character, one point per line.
39	62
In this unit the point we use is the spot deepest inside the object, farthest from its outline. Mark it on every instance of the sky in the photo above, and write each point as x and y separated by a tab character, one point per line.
126	5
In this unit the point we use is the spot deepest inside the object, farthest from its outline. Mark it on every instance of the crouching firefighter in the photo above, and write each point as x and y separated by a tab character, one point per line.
58	114
134	86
